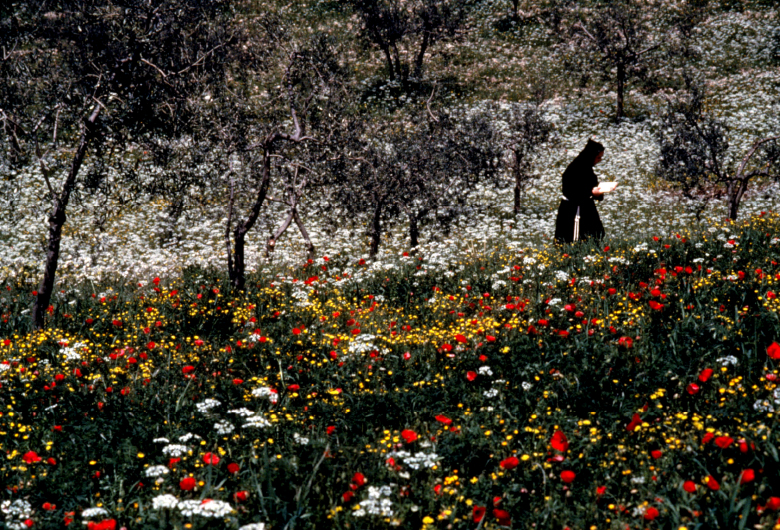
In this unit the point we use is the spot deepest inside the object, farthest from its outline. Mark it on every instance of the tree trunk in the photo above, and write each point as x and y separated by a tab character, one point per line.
515	8
269	246
621	80
376	231
418	63
414	232
237	269
389	59
736	192
518	182
56	222
309	245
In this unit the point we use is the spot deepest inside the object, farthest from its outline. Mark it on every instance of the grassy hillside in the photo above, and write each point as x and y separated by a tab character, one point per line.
633	385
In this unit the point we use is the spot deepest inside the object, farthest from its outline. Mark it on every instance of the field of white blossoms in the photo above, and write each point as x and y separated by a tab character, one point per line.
105	239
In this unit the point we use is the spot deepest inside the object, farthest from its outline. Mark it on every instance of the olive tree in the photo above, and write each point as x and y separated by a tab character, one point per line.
696	158
84	77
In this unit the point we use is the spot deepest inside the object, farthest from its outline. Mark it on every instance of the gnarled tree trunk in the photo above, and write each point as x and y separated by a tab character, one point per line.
57	221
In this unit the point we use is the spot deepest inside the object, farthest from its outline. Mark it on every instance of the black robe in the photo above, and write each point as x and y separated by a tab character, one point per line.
578	182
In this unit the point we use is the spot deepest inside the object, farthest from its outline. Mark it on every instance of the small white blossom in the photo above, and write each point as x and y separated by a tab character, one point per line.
206	405
485	370
90	513
165	501
493	392
729	359
224	427
300	439
156	471
175	450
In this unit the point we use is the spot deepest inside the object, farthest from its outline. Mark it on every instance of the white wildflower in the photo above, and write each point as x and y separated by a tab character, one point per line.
224	427
165	501
156	471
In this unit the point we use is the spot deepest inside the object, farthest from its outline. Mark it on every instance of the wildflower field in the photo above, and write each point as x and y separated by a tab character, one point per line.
624	386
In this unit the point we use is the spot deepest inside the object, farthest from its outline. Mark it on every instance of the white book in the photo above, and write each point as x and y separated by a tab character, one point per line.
606	187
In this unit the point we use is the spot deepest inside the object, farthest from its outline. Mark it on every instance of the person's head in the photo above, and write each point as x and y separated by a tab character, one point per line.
593	152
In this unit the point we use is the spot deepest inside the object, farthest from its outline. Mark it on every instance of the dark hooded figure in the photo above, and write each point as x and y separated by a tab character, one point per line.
578	218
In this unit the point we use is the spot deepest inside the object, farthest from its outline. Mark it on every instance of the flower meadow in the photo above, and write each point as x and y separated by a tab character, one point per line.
629	385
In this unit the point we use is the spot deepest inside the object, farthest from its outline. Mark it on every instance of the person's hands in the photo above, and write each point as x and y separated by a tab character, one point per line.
596	192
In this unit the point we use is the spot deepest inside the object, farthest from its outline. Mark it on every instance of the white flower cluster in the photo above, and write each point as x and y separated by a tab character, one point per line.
728	359
266	392
377	503
20	510
526	386
189	436
204	508
243	412
156	471
96	511
485	370
252	526
256	420
763	405
71	352
491	393
206	405
164	501
417	460
224	427
300	439
161	441
175	450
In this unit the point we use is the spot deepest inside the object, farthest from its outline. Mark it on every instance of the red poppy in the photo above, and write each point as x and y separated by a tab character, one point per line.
712	483
650	513
568	476
601	490
692	389
747	476
773	503
233	467
477	513
707	438
31	457
211	459
408	435
689	486
460	338
559	441
471	375
108	524
724	441
188	369
656	454
443	419
773	351
503	517
635	422
543	322
446	347
187	483
296	331
705	375
330	429
49	507
626	342
293	387
241	496
238	381
510	463
347	496
655	305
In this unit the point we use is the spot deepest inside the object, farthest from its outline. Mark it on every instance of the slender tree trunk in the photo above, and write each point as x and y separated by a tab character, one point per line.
403	72
309	245
269	246
376	231
389	59
518	182
418	63
57	221
237	271
515	8
414	232
736	192
621	80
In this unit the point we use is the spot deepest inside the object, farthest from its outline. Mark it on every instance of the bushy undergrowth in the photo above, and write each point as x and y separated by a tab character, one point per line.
629	386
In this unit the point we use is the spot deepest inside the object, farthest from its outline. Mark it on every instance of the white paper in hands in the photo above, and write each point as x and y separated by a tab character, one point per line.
606	187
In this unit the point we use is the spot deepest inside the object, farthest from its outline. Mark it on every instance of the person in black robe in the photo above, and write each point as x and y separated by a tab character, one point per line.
579	193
